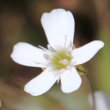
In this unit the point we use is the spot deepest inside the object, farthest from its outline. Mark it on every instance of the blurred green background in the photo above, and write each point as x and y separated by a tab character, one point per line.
20	22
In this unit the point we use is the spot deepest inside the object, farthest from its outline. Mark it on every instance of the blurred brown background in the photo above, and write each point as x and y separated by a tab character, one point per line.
20	22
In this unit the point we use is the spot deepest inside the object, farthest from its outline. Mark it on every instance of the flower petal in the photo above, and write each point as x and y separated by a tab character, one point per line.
70	81
42	83
59	27
28	55
86	52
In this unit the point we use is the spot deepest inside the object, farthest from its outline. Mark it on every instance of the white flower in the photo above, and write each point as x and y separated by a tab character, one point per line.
59	59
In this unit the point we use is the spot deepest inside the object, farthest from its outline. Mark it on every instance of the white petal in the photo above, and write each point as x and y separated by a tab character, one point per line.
28	55
86	52
42	83
70	81
59	27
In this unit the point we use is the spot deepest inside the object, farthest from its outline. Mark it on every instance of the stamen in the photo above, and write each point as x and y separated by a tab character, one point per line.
61	60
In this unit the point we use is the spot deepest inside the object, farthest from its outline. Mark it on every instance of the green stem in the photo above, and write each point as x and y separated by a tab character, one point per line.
92	93
91	89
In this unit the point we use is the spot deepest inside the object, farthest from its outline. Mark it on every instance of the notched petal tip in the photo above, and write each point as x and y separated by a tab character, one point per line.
76	87
99	43
70	81
15	47
28	90
54	11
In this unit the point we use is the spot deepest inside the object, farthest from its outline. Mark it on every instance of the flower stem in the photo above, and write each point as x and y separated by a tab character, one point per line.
91	89
92	93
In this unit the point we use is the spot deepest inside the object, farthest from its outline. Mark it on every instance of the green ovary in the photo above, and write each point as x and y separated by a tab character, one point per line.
62	60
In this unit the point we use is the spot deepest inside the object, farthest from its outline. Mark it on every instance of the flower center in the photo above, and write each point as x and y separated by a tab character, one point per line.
62	59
